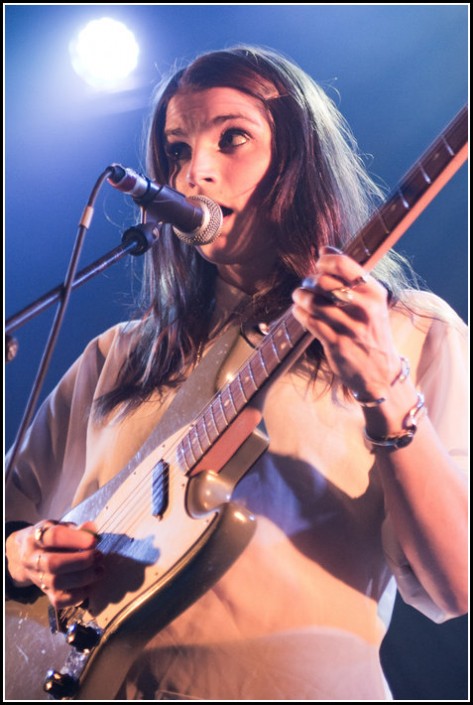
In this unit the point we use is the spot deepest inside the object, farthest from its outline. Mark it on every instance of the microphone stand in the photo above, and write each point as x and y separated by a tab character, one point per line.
136	240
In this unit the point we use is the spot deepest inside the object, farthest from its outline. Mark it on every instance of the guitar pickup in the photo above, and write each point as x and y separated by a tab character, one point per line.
160	489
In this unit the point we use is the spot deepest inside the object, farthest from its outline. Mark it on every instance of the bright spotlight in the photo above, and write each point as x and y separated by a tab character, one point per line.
104	53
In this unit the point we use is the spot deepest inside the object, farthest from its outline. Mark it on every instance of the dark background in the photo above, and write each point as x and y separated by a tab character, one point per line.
399	75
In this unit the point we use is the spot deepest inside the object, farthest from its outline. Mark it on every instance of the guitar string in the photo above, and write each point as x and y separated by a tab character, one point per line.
175	473
126	510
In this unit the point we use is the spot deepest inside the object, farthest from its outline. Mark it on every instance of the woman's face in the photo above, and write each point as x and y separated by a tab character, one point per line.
218	143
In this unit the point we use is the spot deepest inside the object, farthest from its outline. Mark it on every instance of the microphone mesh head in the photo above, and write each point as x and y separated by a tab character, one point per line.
211	225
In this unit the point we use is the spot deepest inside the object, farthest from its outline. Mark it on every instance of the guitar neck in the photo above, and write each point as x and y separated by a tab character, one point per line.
415	191
287	339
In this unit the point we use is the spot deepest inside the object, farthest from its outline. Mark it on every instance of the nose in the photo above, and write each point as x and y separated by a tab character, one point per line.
202	167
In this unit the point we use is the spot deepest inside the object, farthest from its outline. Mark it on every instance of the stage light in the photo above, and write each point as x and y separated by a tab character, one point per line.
104	53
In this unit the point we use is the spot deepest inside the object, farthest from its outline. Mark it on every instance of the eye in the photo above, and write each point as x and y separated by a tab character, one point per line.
232	139
177	151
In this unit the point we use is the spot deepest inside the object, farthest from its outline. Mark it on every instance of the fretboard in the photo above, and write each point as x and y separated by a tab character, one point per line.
418	187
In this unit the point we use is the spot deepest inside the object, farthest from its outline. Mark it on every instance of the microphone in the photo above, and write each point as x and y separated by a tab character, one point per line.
196	220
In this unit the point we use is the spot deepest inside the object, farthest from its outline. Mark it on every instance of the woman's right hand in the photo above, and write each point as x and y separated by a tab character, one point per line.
61	559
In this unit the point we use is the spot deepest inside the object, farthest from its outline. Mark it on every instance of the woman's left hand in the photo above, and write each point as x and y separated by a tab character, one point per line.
347	311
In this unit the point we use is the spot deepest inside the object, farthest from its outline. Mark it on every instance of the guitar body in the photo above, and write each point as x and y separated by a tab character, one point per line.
184	534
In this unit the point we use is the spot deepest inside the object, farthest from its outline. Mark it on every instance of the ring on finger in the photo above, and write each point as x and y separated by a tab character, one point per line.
42	584
363	279
41	530
309	283
342	296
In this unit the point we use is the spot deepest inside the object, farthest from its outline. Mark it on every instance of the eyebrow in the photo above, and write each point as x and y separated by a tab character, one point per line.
218	120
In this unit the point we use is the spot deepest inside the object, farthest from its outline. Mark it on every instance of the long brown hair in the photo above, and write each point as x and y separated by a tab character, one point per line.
319	194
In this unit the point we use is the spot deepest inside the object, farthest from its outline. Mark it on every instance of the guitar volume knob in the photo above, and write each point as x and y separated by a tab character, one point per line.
81	637
60	685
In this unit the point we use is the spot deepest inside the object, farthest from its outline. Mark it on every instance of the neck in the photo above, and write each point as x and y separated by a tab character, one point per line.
248	278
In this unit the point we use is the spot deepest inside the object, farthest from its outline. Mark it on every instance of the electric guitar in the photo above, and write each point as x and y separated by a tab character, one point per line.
168	528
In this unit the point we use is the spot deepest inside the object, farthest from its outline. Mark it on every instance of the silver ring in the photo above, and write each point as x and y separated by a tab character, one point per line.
342	296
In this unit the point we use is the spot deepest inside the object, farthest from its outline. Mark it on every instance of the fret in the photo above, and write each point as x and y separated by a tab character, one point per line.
242	391
449	149
263	361
296	330
250	370
457	133
275	349
271	358
201	426
187	450
233	395
435	161
257	370
237	394
249	375
427	178
289	328
219	414
370	237
281	332
226	404
247	382
393	212
211	430
404	201
195	442
415	184
198	435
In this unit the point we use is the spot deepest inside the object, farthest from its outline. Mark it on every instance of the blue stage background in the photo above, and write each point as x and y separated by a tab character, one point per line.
399	75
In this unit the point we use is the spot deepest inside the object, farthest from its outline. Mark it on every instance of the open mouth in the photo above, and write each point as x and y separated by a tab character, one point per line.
226	211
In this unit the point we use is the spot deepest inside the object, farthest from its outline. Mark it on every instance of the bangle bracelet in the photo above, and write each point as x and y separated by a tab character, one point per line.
409	428
369	404
402	375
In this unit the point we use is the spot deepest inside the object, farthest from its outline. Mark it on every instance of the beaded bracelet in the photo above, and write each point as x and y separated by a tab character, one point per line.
400	377
409	426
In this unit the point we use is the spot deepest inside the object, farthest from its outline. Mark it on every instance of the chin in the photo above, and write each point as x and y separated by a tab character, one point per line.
217	252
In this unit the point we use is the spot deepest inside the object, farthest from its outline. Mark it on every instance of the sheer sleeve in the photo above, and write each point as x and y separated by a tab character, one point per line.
40	485
442	375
